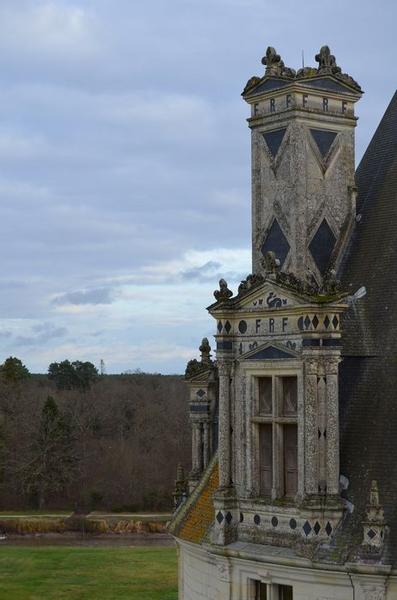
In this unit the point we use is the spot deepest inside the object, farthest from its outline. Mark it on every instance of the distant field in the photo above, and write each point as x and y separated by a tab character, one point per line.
53	514
53	573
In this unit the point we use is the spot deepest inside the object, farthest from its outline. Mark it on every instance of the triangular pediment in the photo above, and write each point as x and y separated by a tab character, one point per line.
268	84
323	83
270	296
328	84
270	351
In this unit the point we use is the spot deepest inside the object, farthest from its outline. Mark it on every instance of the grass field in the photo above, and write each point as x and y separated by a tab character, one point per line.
110	573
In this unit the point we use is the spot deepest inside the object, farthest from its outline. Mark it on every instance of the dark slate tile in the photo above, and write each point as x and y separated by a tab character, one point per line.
323	139
322	245
273	140
276	242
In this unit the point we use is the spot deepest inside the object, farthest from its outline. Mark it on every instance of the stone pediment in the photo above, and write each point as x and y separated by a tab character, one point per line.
275	292
339	83
329	84
270	351
269	296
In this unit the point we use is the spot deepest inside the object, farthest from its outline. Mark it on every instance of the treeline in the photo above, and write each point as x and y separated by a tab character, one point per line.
74	438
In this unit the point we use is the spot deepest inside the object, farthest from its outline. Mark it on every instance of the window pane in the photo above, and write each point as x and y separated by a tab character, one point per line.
290	459
266	459
265	396
290	395
285	592
260	591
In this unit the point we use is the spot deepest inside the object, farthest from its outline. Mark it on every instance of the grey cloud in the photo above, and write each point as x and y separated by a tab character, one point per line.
93	296
42	333
119	150
205	272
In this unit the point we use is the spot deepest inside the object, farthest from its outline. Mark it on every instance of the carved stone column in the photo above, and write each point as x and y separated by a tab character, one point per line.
196	447
206	444
224	448
331	371
311	429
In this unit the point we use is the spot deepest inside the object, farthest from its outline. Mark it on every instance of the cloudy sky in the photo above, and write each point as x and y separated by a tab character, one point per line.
125	175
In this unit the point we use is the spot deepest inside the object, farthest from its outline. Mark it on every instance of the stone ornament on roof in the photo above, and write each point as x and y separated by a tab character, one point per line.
326	62
275	67
205	350
271	263
223	293
374	524
194	366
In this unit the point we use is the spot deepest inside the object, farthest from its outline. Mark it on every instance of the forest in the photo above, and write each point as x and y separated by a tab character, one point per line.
76	439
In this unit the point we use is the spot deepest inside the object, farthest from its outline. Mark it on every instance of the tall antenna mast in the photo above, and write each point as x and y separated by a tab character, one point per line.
303	59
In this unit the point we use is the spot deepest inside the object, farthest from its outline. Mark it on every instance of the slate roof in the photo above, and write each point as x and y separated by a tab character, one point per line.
368	373
193	520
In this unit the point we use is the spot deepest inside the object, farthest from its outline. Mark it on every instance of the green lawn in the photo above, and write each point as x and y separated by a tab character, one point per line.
110	573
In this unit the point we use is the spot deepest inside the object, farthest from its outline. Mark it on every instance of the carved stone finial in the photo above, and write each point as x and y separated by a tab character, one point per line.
272	61
374	524
223	293
275	66
180	473
331	284
180	492
326	62
205	350
270	263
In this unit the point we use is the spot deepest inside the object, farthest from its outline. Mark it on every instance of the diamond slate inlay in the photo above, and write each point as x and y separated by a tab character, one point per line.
315	321
219	517
276	242
322	245
229	518
220	326
228	327
273	140
335	322
371	534
201	393
328	528
326	322
307	528
317	528
323	140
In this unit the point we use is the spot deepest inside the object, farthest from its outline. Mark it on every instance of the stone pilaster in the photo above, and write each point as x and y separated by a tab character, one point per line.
224	444
332	374
206	444
225	500
311	428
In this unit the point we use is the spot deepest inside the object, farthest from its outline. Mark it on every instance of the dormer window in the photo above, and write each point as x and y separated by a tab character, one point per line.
276	406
